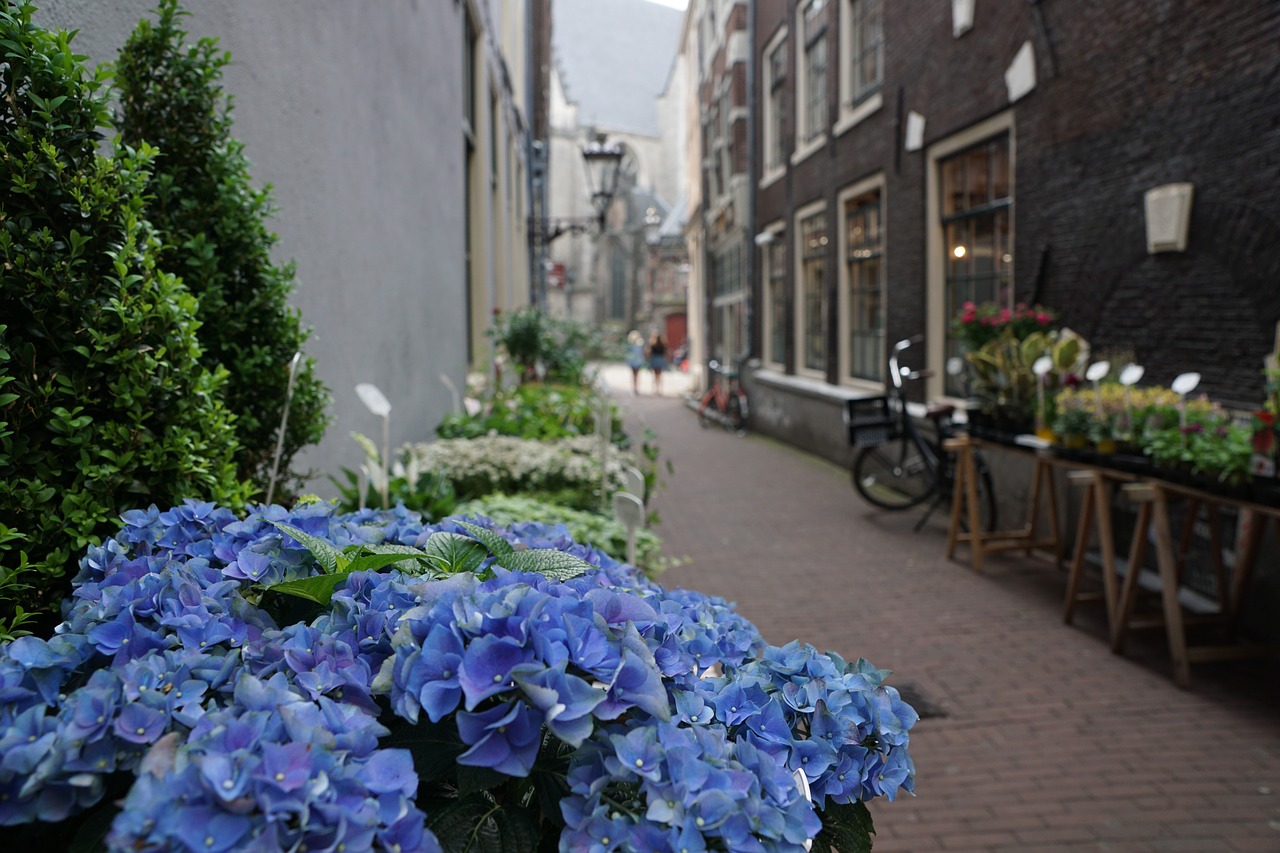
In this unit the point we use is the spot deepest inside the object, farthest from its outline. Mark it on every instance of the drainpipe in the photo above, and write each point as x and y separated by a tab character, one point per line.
749	243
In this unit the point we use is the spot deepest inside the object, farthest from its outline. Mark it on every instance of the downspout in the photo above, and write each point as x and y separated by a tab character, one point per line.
753	277
532	164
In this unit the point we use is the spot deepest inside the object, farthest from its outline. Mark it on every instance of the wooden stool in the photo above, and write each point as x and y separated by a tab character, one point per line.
1095	512
1153	522
964	504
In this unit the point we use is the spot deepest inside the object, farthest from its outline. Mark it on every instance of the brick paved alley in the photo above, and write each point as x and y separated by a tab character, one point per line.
1047	740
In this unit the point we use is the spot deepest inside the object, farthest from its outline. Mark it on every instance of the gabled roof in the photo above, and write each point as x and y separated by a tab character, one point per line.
614	57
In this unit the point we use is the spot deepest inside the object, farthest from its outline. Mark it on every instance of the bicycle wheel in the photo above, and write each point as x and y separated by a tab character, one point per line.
734	420
705	408
893	476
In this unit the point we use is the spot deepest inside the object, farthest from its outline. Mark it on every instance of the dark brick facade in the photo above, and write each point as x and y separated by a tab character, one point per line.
1128	96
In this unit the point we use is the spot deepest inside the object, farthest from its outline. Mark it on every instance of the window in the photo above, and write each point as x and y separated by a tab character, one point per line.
976	205
774	102
812	293
864	282
728	315
813	78
775	259
865	63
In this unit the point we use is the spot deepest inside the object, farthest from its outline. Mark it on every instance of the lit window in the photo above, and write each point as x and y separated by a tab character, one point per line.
976	219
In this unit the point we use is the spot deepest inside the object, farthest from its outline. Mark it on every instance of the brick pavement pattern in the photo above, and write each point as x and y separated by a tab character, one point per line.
1049	741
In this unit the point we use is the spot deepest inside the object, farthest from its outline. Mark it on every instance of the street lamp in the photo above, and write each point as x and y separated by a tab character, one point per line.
604	163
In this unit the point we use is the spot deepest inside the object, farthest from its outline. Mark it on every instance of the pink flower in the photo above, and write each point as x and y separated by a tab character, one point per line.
1043	319
1004	315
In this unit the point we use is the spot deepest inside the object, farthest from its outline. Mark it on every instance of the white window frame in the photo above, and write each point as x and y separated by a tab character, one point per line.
805	148
936	273
875	183
778	230
772	131
855	108
798	350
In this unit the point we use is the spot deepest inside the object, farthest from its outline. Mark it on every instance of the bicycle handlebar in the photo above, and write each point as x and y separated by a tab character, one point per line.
897	373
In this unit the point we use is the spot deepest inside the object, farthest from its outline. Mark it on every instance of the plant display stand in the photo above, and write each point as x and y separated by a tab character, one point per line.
1154	528
964	505
1123	580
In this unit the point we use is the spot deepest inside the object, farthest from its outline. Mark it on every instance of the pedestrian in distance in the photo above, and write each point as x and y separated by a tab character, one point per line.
657	360
635	358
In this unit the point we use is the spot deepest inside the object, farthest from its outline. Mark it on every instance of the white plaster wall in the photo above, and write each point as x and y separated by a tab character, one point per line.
353	113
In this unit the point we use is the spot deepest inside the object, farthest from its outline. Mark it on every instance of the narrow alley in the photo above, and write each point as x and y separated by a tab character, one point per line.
1035	736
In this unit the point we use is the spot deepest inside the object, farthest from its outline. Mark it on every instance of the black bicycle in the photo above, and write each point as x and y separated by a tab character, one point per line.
897	466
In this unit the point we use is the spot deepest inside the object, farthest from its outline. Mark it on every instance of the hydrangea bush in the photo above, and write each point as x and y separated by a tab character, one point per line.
437	696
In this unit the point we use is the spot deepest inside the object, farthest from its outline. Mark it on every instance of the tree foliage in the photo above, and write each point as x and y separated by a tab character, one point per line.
213	220
104	404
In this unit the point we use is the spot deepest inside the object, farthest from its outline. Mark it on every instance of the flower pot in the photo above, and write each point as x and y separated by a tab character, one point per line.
1106	446
1075	442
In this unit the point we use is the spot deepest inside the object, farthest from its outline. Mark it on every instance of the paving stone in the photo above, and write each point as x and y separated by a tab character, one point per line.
1048	741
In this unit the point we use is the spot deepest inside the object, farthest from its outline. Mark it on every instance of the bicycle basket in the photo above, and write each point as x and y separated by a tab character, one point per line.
870	421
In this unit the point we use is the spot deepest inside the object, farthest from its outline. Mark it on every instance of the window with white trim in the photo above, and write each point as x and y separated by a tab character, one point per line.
812	94
864	285
863	66
775	283
812	293
976	207
775	103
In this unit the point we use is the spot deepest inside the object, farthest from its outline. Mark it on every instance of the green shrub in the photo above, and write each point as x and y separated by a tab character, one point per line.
534	411
212	219
104	404
560	347
601	532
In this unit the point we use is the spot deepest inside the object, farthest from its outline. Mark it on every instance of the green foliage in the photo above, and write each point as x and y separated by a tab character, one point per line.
534	411
104	403
601	532
1003	381
560	347
846	827
442	554
1210	443
203	202
422	490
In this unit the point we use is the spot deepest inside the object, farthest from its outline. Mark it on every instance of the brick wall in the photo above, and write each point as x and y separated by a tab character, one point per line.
1128	96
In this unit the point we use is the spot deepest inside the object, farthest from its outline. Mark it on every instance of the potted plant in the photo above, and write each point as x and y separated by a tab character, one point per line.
1074	423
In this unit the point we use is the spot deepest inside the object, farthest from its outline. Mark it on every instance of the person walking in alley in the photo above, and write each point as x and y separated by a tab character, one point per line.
657	360
635	359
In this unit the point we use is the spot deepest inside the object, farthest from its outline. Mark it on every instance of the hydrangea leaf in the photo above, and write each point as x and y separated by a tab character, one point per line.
454	552
493	541
373	562
329	557
556	565
472	780
435	747
318	589
846	827
476	824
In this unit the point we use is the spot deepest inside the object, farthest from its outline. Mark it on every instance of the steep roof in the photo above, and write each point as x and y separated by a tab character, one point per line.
614	57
